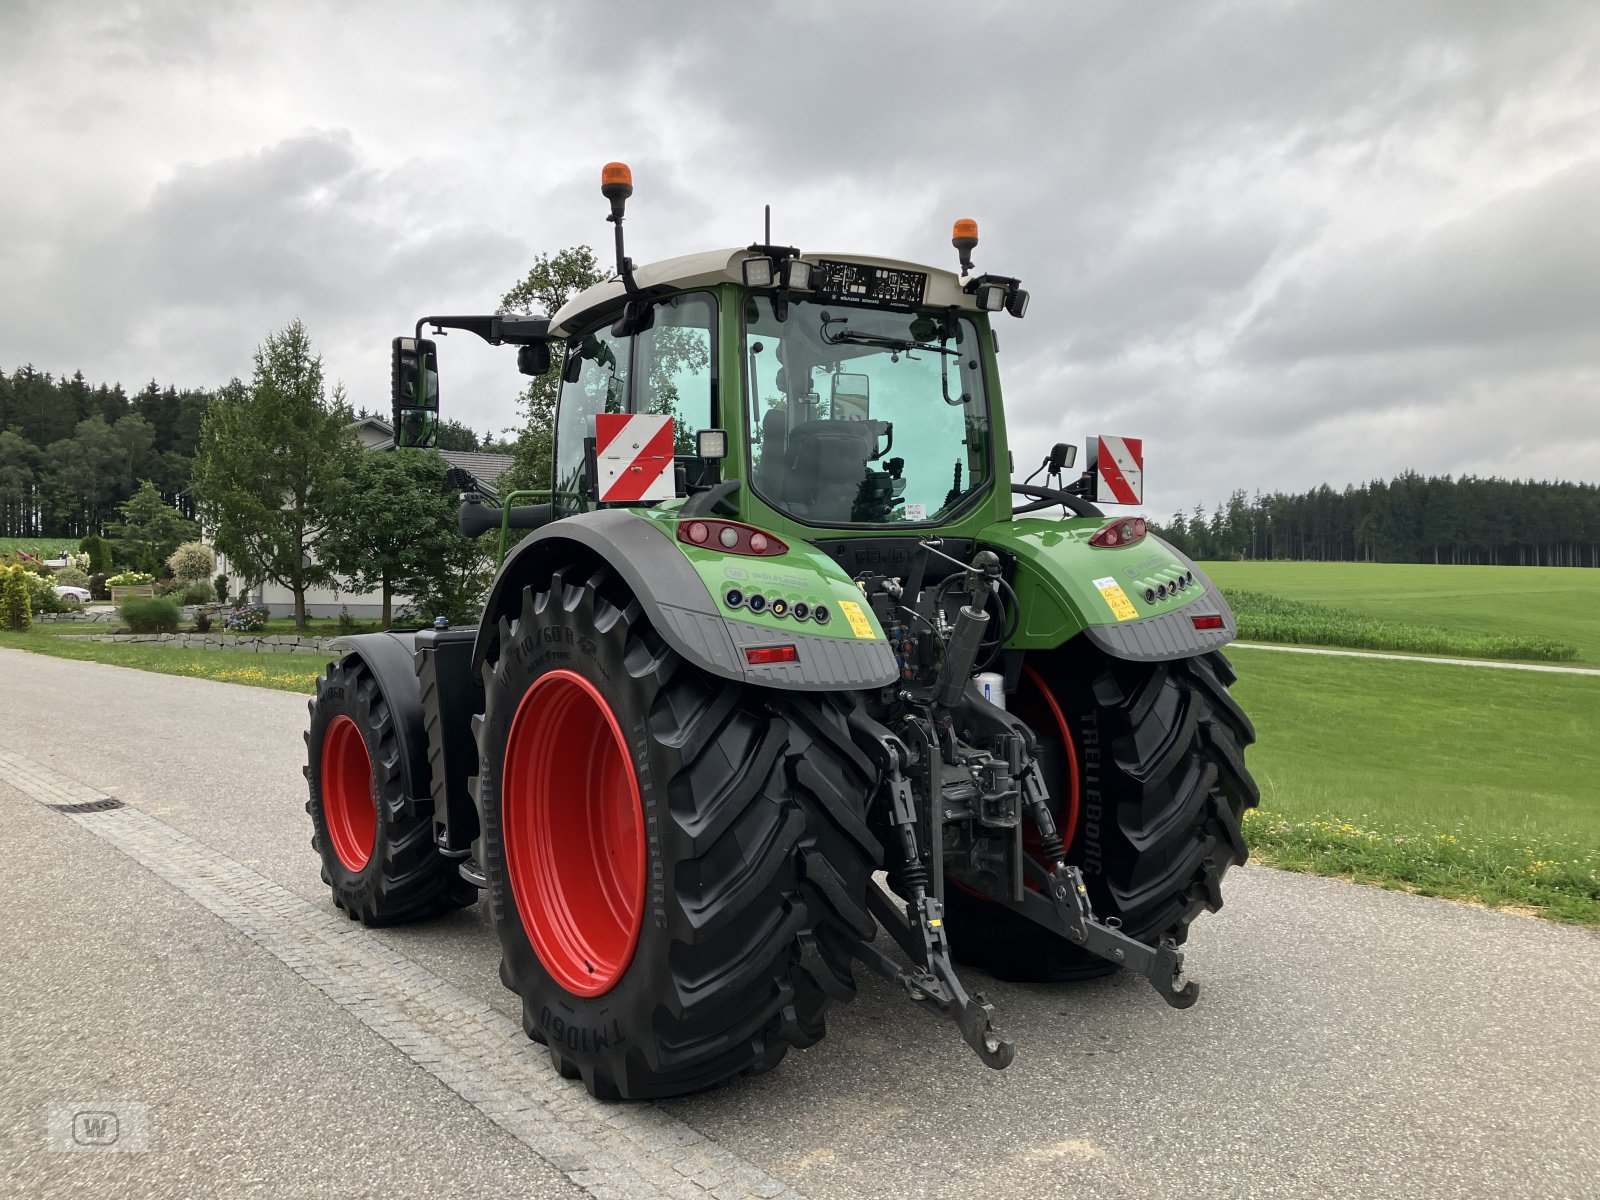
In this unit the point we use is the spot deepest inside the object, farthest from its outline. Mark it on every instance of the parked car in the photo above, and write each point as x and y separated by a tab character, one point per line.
75	596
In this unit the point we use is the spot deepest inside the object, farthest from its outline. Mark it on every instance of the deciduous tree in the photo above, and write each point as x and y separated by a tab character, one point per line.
396	533
273	461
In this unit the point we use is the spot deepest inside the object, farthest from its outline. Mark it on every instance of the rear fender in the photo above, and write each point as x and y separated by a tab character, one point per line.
1112	596
681	608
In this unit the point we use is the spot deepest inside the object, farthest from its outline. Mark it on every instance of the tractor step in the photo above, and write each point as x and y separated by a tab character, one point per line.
473	874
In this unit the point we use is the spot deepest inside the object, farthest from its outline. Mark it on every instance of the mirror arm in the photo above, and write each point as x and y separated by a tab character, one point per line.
498	329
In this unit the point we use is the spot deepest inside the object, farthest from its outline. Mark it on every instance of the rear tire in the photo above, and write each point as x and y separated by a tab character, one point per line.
755	856
377	848
1161	790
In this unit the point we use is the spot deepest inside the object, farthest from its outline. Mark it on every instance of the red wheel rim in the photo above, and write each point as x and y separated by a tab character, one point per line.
574	833
347	801
1067	814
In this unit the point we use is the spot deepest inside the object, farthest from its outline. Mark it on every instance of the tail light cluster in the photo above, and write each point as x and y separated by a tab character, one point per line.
732	537
1122	532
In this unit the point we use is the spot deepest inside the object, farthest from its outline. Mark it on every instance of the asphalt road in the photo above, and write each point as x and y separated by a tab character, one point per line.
173	958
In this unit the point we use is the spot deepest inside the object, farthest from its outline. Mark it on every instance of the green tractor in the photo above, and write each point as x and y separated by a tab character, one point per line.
783	622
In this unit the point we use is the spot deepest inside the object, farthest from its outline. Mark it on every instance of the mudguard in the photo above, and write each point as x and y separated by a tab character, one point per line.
680	605
390	658
1122	598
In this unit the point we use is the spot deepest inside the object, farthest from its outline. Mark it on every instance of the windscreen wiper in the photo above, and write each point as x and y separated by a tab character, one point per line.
852	337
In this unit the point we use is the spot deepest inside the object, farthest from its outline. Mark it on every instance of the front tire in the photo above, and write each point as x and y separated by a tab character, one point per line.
677	863
378	854
1145	765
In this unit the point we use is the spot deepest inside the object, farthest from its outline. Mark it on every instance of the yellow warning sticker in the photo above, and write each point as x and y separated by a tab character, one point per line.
859	625
1117	599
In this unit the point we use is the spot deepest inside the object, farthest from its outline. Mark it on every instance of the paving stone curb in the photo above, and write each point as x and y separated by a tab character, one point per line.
613	1152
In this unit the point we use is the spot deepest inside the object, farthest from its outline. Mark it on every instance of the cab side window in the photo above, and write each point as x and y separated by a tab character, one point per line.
595	380
672	369
676	375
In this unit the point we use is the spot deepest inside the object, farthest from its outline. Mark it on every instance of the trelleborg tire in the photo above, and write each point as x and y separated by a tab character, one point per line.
677	864
376	843
1145	765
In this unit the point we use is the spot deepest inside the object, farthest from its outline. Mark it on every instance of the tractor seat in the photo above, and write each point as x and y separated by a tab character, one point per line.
825	463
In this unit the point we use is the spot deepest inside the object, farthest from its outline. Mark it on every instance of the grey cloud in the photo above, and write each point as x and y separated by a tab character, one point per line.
1227	212
1523	266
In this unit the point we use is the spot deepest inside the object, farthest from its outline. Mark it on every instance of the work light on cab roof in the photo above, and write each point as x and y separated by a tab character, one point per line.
781	619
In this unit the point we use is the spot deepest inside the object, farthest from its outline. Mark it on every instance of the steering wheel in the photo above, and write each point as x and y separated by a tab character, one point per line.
1049	498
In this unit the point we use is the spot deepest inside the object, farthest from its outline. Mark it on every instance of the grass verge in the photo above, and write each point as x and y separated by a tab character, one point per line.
1543	876
1450	781
1265	618
282	672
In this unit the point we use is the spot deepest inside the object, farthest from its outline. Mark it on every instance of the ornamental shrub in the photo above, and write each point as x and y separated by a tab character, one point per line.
221	584
192	560
247	618
41	590
99	552
197	591
130	579
149	614
16	609
97	587
72	577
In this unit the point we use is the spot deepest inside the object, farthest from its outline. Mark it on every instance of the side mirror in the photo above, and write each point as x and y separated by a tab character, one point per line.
534	359
414	390
850	397
637	316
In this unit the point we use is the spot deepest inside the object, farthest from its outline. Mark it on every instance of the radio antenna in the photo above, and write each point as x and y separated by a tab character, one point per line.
768	239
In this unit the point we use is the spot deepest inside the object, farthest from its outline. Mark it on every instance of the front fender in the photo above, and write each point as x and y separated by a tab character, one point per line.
1067	587
391	659
675	597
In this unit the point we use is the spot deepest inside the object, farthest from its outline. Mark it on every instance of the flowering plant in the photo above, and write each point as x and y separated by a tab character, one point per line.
246	618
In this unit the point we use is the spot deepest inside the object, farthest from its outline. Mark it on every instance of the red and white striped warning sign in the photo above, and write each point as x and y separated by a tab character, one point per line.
1119	469
633	457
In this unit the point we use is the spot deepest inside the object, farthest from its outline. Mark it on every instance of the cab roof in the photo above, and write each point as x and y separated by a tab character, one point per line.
711	267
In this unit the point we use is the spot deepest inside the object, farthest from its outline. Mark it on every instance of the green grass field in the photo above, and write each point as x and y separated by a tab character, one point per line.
1557	603
38	547
1468	782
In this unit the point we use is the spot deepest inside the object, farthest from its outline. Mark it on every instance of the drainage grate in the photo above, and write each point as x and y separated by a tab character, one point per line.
89	806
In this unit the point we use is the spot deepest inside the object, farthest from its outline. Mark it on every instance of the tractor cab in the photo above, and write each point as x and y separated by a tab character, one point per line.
850	394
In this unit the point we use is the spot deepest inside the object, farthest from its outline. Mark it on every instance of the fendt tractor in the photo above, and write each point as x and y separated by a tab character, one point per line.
782	623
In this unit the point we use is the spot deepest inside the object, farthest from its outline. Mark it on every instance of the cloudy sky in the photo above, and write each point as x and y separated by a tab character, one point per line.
1284	243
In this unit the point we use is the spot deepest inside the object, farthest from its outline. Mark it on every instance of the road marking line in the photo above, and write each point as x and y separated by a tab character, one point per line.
1454	662
609	1150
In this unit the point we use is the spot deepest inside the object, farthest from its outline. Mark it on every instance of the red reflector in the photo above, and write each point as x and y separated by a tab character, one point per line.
760	656
1209	621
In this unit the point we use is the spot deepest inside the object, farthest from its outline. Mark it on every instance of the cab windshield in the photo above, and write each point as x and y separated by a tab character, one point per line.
864	416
